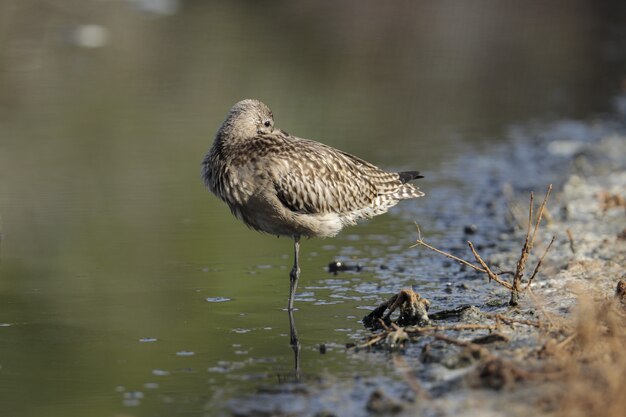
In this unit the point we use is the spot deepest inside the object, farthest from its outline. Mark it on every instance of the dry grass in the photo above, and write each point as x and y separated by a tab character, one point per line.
593	360
609	200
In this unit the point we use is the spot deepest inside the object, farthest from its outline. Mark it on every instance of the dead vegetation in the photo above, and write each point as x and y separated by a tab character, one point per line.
610	200
578	368
413	310
576	364
517	285
593	360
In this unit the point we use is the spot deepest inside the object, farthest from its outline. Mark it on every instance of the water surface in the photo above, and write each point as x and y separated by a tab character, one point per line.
126	289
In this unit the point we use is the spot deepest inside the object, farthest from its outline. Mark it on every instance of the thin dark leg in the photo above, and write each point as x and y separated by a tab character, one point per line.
295	272
295	343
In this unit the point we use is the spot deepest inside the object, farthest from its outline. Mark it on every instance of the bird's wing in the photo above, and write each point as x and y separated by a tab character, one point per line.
321	179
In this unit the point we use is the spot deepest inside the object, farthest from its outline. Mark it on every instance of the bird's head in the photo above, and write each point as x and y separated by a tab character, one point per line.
247	119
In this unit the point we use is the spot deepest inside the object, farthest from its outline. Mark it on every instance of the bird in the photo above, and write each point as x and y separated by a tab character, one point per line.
284	185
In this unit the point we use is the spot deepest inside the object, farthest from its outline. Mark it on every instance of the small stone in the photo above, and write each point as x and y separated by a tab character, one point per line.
379	403
470	229
490	338
335	267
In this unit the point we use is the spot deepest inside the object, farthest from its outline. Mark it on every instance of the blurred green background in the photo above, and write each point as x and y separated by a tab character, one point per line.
108	236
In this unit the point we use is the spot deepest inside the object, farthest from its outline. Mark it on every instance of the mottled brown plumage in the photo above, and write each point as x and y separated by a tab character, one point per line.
288	186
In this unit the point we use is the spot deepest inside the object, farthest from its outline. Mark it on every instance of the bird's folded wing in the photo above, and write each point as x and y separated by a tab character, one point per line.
321	179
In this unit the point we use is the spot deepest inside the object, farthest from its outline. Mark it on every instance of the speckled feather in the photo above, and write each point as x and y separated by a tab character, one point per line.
285	185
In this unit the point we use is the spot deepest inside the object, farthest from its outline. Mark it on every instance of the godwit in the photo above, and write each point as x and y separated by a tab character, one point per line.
287	186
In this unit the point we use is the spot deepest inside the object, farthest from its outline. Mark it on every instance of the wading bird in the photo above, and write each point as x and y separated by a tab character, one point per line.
288	186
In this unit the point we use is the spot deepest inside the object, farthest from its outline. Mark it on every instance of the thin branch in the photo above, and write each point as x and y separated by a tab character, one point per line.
540	307
541	210
511	320
530	214
530	280
405	370
567	340
428	329
515	286
462	343
489	272
421	242
373	340
570	236
521	263
382	324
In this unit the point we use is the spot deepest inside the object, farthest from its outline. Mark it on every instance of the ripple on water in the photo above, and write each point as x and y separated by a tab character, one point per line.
133	394
306	294
160	372
346	297
132	399
241	330
367	287
331	282
217	299
223	367
326	302
185	353
247	377
306	297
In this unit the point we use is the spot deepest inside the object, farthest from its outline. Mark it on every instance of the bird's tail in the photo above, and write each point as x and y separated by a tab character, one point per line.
408	191
407	176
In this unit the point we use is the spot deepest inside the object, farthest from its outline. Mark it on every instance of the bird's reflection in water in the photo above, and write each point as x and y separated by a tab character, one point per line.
294	342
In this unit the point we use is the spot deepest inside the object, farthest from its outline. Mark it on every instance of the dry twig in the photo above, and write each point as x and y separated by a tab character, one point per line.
405	370
570	236
510	320
492	275
530	280
515	286
421	242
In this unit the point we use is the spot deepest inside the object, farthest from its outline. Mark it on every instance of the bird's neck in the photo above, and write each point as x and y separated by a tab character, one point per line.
228	135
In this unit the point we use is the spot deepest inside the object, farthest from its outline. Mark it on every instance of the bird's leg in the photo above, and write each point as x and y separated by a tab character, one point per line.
293	279
295	272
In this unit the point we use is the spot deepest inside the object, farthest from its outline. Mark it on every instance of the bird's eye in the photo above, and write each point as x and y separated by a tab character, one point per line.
267	123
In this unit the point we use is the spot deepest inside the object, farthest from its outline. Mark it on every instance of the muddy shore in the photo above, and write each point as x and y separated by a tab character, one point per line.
586	163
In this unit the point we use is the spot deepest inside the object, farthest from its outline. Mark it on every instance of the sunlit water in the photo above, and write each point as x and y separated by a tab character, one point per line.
126	289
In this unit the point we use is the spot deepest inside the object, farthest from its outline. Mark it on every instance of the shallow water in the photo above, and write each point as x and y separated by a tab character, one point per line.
126	289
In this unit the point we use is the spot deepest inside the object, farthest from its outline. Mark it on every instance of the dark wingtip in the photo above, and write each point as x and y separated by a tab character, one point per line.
409	176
